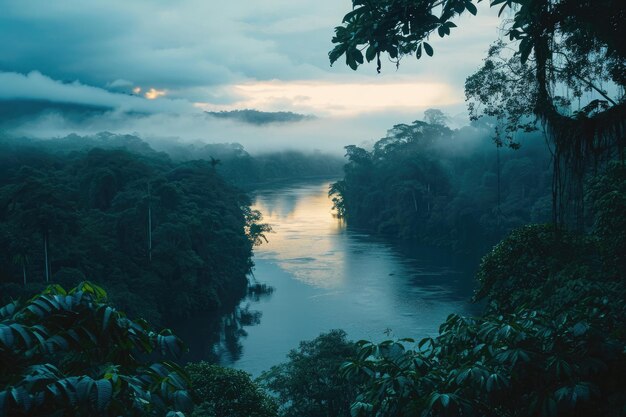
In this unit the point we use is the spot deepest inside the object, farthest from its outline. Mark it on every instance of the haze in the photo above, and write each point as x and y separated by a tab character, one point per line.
155	67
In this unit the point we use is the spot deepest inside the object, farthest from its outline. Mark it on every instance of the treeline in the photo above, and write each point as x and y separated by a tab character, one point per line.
454	188
231	160
257	117
164	238
237	165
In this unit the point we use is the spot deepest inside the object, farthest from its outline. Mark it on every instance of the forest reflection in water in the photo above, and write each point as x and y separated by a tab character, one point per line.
328	276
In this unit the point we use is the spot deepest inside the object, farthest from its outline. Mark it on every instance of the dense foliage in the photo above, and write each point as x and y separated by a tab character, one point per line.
164	238
225	392
428	183
551	343
563	64
309	385
71	353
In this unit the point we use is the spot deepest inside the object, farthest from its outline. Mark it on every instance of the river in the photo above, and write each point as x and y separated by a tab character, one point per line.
328	276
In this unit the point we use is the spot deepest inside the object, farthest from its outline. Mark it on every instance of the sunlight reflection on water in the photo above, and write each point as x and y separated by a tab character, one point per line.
328	276
303	243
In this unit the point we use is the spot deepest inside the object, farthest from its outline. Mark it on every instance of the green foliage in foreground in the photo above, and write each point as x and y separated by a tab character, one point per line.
563	354
551	343
224	392
528	363
70	353
308	385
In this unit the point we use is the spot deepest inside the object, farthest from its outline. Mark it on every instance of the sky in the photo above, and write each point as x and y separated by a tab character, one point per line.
171	60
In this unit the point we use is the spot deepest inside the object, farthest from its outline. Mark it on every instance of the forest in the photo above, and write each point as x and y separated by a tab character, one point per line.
165	239
108	239
426	182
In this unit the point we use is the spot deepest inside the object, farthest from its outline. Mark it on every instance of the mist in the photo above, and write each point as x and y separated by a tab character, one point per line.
326	134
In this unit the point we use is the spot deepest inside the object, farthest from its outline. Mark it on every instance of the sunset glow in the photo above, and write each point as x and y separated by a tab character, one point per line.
153	93
345	99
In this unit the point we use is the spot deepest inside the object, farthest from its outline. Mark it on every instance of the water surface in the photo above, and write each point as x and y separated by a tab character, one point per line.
328	276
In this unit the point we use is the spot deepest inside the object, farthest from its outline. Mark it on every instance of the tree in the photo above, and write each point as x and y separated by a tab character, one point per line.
309	385
224	392
570	45
435	117
70	353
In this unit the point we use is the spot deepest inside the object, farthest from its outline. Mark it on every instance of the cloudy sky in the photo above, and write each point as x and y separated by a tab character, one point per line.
175	58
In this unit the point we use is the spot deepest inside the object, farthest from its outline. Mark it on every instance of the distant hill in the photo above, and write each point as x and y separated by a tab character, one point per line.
257	117
15	112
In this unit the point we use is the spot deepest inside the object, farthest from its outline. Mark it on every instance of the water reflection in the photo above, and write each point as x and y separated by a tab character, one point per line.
303	243
328	276
216	337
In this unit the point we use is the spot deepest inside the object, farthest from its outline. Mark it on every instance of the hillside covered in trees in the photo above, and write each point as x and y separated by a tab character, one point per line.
164	238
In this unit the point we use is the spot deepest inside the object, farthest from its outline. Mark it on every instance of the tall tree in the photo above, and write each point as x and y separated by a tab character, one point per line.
571	45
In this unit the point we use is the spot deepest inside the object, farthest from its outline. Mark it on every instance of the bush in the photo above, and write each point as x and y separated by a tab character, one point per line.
70	353
309	384
528	363
224	392
527	264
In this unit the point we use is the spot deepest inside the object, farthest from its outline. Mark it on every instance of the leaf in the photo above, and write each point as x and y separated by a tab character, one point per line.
354	13
21	398
182	401
428	49
7	310
104	391
502	9
84	390
418	53
336	53
471	8
351	62
105	319
6	336
358	56
19	329
370	53
359	408
525	48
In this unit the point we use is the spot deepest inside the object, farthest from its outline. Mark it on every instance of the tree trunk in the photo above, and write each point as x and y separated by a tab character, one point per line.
24	271
414	200
149	232
45	252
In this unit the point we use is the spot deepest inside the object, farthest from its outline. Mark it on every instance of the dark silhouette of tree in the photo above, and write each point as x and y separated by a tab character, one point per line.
558	45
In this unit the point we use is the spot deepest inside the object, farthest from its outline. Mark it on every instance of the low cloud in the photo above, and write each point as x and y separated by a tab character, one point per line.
329	134
35	86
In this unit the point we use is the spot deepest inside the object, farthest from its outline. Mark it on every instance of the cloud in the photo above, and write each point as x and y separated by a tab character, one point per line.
195	55
341	99
35	86
329	134
199	50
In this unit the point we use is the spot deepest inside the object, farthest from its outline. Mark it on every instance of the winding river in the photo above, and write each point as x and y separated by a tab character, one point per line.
328	276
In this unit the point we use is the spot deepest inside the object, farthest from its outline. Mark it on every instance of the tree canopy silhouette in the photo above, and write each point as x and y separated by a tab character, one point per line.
561	49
